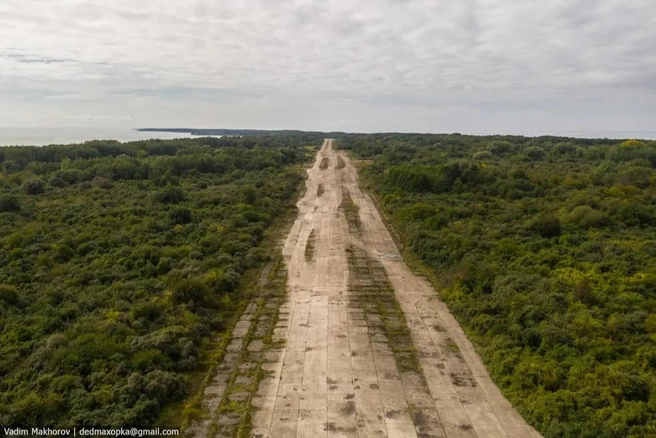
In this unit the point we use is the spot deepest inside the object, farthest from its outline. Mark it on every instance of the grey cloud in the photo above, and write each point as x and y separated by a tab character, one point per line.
27	59
391	57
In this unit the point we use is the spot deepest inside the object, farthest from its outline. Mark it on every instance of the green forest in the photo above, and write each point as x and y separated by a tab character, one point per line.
119	261
544	249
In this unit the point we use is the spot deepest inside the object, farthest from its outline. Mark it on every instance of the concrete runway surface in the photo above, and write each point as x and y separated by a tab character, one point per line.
337	375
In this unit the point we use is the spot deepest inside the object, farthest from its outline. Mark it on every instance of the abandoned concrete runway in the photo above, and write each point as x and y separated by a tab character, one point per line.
338	374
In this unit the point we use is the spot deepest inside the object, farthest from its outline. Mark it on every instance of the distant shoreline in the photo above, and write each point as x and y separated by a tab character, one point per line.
24	136
73	135
237	132
611	135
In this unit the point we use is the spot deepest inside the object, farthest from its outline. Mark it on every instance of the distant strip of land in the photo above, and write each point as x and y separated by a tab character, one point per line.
238	132
339	134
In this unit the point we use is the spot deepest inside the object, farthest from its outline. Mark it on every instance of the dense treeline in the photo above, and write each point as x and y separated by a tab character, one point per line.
546	253
117	261
18	157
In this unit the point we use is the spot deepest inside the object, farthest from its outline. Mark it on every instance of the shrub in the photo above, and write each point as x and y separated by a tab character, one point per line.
57	182
9	295
564	148
499	147
101	182
535	153
34	187
164	386
249	194
483	155
634	214
9	203
585	216
632	143
63	252
170	195
190	290
546	225
180	216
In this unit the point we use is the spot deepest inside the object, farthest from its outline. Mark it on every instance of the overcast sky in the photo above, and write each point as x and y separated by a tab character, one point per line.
519	66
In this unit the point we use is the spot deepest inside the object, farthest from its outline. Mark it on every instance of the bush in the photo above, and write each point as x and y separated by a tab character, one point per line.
165	386
585	216
499	147
483	155
9	295
57	182
9	203
535	153
63	252
34	187
101	182
170	195
188	290
547	226
564	148
635	214
180	216
249	194
632	143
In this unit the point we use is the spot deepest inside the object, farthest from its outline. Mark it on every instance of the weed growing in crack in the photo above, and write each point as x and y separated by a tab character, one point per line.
371	290
350	210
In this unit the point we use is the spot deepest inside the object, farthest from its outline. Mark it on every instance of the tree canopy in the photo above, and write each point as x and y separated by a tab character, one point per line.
118	261
544	250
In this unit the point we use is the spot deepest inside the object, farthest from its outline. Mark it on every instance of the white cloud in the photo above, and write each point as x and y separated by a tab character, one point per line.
168	59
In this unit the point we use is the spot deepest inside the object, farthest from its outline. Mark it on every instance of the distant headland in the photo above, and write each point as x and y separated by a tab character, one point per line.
237	132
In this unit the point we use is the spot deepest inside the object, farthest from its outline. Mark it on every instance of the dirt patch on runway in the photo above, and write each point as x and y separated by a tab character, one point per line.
310	246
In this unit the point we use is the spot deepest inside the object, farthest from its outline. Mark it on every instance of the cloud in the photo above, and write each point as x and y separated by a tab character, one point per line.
439	54
33	60
90	117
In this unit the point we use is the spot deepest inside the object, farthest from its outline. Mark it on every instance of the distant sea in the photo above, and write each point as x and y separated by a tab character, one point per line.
46	136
